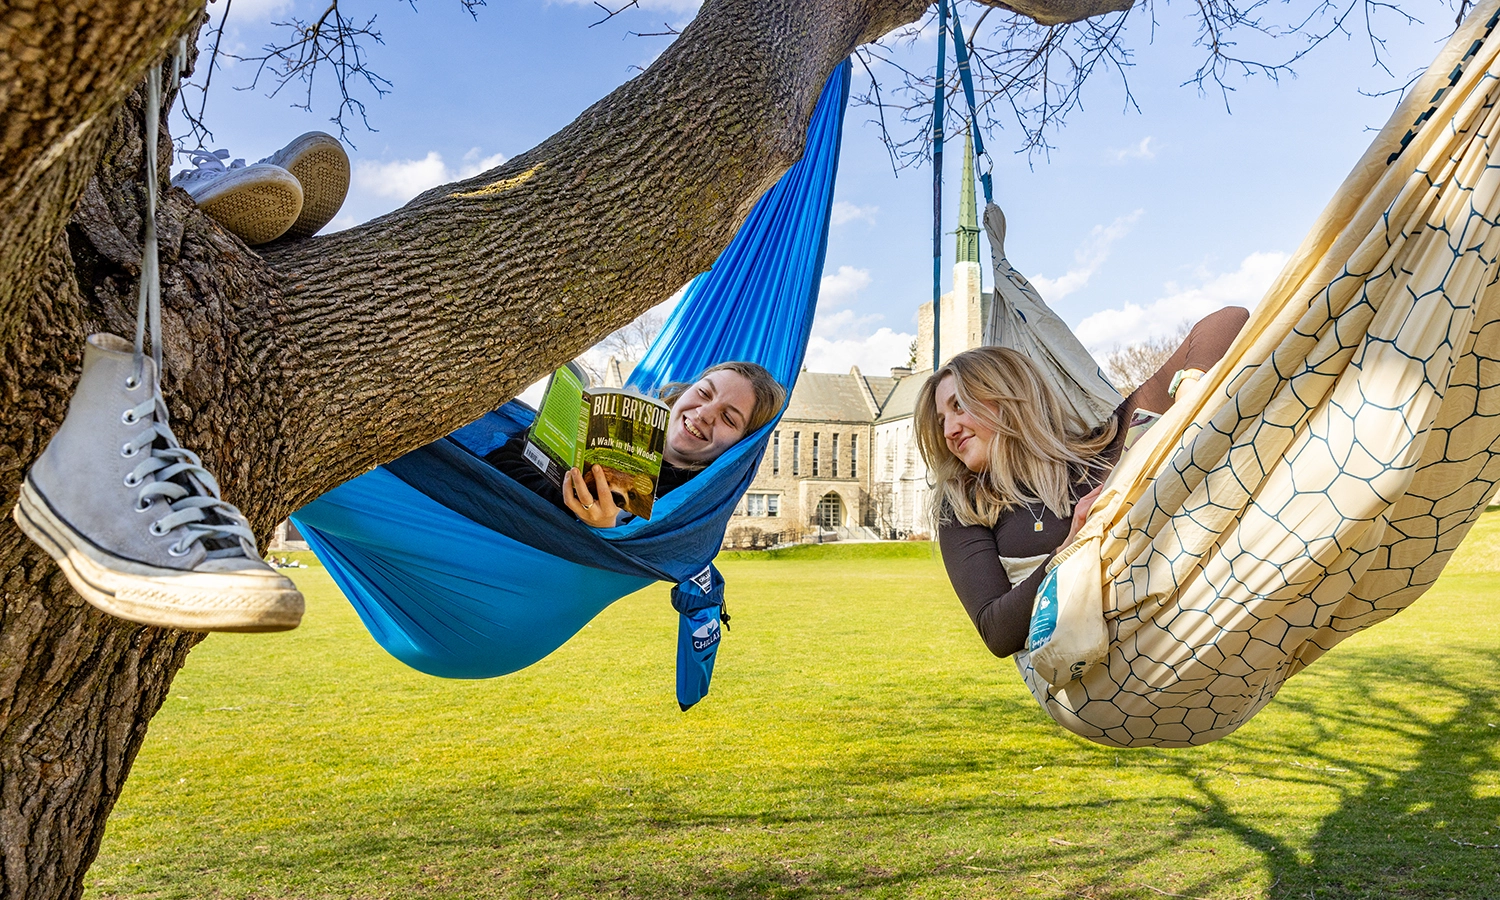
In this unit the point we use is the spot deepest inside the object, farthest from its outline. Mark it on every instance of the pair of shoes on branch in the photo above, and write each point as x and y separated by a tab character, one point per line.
290	194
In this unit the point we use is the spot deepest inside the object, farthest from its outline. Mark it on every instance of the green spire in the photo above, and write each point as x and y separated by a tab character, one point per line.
968	220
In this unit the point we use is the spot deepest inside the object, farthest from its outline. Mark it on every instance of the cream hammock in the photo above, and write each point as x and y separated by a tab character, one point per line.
1333	460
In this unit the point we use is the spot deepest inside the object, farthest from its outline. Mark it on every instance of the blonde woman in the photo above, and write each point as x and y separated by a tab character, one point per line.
1016	470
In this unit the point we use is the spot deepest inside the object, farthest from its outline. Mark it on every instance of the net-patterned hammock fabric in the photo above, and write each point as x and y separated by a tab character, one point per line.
1334	459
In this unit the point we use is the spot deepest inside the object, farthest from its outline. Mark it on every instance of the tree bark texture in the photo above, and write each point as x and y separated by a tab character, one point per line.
293	369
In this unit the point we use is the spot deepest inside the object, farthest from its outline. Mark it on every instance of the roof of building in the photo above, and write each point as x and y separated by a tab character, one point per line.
881	387
902	401
826	397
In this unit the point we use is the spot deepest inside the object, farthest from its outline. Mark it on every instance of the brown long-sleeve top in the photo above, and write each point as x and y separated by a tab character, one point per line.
971	553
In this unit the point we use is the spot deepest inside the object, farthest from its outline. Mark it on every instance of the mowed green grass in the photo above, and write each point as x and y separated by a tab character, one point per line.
859	742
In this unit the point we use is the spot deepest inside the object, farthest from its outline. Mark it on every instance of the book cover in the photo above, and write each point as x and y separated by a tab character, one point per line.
582	426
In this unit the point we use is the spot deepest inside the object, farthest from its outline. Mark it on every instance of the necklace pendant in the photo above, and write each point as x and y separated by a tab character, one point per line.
1036	526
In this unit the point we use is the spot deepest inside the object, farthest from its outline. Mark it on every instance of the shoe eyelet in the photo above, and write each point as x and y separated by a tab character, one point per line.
132	383
157	530
132	481
128	451
177	550
129	417
145	505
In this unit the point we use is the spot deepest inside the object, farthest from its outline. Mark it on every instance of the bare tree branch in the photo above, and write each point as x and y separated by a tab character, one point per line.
611	13
332	41
1129	367
1030	66
198	134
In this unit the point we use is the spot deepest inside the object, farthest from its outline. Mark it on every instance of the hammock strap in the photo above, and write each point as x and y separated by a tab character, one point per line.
966	77
938	86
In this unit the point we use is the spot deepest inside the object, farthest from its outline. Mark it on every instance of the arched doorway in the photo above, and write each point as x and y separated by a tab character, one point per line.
830	511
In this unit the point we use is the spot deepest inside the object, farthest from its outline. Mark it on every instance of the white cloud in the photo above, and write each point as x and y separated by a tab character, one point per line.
845	212
842	337
1143	150
1103	331
403	179
873	353
1089	258
474	163
400	179
842	286
340	222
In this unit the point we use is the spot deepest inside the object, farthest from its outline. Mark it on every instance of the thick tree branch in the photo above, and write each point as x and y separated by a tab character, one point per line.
528	248
65	68
1060	12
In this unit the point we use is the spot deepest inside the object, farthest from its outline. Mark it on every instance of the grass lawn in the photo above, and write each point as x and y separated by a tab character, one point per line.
859	741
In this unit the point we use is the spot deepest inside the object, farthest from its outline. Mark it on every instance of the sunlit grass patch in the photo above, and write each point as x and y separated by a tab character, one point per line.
858	741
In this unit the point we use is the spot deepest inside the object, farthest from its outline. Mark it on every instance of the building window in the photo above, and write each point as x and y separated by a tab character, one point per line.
776	452
816	438
853	456
834	470
768	505
796	453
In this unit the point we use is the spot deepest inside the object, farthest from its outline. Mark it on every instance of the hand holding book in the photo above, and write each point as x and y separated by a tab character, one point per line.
599	513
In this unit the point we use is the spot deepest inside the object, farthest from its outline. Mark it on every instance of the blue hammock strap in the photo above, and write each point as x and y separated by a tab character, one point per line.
939	86
966	77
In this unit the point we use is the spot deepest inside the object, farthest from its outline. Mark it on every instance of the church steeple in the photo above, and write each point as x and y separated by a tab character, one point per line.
968	220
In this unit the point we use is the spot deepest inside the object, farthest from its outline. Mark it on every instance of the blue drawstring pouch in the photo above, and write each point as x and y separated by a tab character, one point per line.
700	603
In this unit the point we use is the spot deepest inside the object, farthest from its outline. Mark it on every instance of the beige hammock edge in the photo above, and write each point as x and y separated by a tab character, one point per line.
1334	458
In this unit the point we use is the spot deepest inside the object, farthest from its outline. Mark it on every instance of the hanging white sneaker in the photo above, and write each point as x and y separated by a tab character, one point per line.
135	522
319	163
258	203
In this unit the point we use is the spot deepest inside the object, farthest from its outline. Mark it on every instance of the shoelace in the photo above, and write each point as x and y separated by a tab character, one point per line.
213	161
176	474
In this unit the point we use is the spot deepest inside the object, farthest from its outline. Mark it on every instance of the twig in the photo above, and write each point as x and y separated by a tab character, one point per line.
611	13
333	41
1157	890
198	132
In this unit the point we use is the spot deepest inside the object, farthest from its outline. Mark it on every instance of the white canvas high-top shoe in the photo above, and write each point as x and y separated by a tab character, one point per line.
135	522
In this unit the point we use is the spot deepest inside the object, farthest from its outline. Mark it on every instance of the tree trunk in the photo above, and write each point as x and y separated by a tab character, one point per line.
294	369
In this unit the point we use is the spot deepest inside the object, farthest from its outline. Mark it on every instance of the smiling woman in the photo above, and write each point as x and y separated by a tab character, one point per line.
1016	470
709	415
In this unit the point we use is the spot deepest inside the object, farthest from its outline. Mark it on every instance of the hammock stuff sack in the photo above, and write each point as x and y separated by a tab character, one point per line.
1333	459
460	572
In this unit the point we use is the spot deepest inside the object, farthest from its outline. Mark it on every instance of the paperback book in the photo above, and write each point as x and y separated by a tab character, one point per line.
582	426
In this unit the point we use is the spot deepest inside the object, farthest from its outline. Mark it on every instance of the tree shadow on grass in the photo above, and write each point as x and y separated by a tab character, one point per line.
899	814
1424	827
1420	822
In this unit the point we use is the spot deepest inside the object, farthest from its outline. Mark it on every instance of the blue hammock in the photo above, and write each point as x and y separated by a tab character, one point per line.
460	572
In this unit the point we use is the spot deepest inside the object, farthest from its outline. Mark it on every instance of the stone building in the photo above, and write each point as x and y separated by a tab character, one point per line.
843	461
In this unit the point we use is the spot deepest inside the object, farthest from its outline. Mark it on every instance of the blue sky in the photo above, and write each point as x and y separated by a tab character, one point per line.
1136	222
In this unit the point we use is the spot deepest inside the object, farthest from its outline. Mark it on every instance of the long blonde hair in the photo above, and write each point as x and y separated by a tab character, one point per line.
1040	448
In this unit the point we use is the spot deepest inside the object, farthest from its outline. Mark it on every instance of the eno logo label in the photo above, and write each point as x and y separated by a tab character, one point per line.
706	636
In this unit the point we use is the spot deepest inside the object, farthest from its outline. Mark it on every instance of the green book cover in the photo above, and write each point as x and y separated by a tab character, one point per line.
581	426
